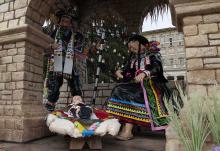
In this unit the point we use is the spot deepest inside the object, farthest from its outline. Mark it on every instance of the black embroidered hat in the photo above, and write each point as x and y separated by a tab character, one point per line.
69	13
135	37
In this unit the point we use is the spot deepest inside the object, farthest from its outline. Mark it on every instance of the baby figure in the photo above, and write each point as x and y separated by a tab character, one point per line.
79	110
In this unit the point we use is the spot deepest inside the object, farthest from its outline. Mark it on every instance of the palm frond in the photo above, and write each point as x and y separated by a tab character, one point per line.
156	7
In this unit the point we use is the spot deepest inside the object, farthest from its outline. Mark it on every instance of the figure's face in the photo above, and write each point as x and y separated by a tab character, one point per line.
77	100
133	46
65	22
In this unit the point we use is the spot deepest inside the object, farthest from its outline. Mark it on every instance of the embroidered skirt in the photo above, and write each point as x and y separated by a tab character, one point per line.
140	104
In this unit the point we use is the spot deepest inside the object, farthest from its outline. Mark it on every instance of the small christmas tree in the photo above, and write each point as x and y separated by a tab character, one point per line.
115	52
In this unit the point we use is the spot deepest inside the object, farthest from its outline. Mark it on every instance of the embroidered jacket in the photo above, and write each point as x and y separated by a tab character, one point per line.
150	64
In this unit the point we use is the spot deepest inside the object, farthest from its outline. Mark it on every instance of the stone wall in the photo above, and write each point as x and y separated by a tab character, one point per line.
12	13
200	23
21	77
202	42
103	92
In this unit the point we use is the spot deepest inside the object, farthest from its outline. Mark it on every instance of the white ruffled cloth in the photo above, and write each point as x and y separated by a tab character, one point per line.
66	126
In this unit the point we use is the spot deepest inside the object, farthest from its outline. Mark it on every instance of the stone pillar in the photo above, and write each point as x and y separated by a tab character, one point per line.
21	81
172	143
21	69
200	23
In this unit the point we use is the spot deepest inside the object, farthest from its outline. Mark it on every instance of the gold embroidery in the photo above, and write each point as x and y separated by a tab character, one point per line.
157	100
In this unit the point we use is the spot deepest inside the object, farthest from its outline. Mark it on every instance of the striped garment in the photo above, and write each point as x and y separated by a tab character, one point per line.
133	112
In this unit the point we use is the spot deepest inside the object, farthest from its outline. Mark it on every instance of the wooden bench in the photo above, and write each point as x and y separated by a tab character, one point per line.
94	142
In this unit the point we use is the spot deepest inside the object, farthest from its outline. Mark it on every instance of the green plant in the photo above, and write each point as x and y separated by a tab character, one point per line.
190	123
214	115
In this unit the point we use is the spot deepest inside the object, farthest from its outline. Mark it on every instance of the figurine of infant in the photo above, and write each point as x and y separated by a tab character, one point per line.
79	110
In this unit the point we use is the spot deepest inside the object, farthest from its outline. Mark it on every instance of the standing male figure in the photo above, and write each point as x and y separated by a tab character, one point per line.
61	62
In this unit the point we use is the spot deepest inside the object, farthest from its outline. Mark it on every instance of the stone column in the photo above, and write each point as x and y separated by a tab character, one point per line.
200	23
21	69
21	81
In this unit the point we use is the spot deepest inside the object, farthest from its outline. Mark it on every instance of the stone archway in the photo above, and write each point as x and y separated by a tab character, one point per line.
21	50
97	12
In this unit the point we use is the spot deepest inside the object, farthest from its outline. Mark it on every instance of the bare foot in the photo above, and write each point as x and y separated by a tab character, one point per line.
125	137
126	133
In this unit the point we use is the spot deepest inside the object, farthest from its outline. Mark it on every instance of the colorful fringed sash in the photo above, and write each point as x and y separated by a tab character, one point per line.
148	108
64	64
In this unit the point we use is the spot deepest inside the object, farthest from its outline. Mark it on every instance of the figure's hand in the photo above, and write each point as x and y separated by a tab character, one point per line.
54	46
140	77
98	45
118	74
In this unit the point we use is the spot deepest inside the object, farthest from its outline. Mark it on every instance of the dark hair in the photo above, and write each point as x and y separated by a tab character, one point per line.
139	56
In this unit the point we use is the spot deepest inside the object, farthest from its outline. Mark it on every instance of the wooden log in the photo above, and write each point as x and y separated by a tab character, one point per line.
94	142
76	143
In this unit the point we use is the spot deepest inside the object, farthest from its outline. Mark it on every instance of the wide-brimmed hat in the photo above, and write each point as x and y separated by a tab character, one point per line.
135	37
